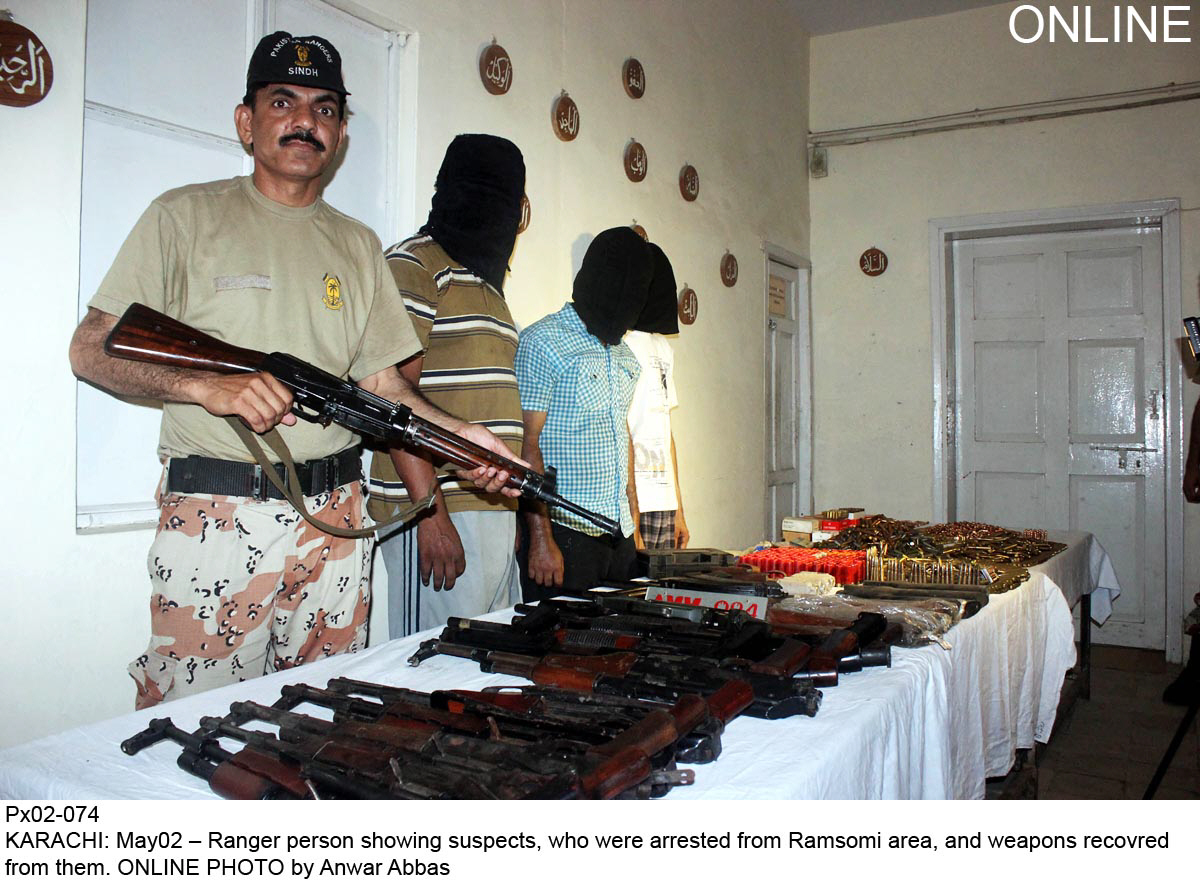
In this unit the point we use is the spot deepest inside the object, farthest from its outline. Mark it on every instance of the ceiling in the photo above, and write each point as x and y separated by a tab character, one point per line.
831	16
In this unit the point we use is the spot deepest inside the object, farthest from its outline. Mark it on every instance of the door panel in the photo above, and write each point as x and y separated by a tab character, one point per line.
1106	378
1113	507
788	490
1008	405
1104	282
1011	499
1007	286
1058	377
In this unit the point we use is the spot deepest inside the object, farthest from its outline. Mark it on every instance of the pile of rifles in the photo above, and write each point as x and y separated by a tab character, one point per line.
623	693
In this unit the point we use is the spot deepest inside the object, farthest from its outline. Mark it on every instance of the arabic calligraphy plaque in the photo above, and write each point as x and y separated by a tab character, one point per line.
689	306
729	269
873	262
495	69
26	72
526	213
564	116
689	182
636	161
633	78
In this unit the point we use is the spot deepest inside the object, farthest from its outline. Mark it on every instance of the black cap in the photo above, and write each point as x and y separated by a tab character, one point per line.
301	61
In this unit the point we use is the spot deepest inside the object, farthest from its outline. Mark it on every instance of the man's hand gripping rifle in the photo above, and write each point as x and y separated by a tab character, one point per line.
146	335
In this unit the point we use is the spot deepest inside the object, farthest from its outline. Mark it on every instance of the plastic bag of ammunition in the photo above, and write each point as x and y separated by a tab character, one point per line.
921	621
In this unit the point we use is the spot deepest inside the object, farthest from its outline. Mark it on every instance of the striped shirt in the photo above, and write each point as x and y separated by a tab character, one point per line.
469	341
584	387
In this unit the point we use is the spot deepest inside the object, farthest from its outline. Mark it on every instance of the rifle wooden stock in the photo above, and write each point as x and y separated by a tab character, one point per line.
729	700
788	620
145	335
613	775
788	659
841	650
229	781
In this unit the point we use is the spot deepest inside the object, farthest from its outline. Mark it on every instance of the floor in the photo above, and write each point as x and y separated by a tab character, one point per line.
1108	747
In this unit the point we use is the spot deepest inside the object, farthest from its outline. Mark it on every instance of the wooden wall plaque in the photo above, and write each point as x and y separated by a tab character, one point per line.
689	182
26	72
633	78
636	161
526	214
564	116
689	306
873	262
729	269
495	69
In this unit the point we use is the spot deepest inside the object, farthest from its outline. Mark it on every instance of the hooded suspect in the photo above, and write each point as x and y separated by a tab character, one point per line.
613	283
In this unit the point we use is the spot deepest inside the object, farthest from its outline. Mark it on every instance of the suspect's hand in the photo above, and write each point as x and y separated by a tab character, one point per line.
545	563
440	556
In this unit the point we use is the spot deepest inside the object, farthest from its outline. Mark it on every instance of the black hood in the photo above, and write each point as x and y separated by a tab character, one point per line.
613	283
661	313
477	205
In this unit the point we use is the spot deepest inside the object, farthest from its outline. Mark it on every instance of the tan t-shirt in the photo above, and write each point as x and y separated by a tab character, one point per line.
311	282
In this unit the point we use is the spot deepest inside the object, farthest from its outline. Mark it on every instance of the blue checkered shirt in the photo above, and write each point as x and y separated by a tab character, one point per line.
584	387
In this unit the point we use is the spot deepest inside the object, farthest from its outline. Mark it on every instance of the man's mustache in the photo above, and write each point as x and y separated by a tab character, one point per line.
305	136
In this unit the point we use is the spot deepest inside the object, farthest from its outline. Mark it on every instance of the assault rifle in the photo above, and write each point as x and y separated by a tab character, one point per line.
146	335
658	677
397	758
538	714
431	746
729	639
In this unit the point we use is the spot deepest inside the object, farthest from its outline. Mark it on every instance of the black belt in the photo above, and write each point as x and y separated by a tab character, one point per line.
196	474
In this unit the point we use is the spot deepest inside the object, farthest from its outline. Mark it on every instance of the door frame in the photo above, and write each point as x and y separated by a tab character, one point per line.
943	232
804	362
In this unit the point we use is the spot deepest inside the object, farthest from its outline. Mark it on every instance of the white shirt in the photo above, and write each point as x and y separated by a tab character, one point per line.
650	421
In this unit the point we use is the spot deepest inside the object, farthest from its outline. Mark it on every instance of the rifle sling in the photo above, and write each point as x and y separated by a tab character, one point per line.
295	495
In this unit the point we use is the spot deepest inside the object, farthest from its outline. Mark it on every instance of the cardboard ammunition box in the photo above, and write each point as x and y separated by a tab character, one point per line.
800	524
836	525
807	538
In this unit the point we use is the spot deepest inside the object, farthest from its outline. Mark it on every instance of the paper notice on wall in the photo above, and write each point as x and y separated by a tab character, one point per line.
777	305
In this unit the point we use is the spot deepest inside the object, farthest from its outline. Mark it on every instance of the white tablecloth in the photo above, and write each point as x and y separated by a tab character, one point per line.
934	725
1084	564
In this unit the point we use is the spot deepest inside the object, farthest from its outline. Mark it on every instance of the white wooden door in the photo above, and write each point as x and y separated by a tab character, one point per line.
1059	367
788	475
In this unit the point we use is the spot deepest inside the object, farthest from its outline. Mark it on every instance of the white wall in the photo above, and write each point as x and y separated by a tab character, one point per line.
727	92
873	342
873	395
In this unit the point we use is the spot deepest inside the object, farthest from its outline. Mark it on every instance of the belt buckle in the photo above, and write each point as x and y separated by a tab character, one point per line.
319	477
258	484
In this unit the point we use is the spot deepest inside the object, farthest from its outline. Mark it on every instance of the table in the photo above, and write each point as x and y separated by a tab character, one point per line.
934	725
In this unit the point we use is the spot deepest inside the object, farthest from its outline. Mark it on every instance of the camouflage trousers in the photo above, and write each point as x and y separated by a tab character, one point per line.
241	588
